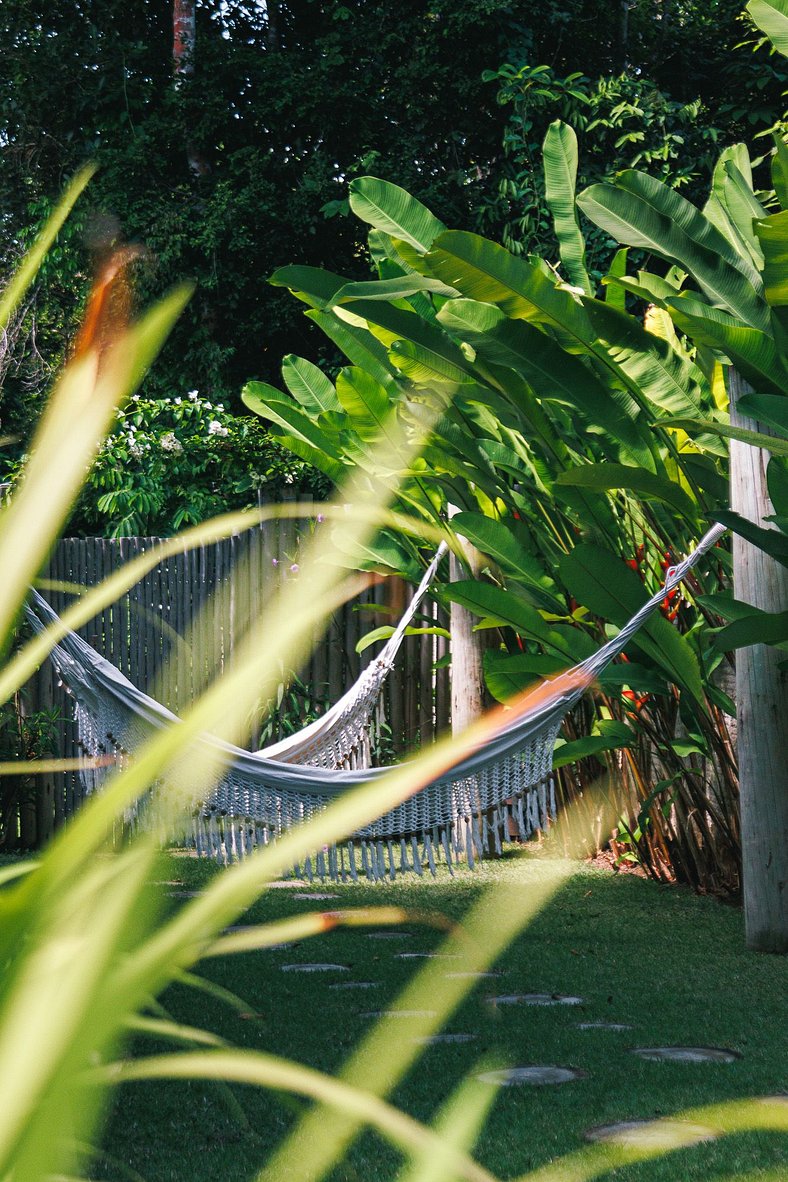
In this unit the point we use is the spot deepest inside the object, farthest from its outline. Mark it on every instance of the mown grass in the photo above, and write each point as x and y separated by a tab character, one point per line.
661	959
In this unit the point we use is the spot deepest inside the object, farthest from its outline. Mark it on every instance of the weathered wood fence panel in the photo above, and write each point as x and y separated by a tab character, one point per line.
179	628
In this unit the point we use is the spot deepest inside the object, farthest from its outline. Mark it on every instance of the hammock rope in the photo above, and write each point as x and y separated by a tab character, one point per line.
504	785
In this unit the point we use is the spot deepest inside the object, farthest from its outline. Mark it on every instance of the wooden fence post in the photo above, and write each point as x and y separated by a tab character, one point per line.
761	706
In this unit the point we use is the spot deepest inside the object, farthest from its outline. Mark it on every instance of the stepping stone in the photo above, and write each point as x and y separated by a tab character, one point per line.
315	895
535	999
389	935
651	1134
427	955
355	985
510	1077
432	1040
184	894
399	1014
286	884
604	1026
315	968
476	976
687	1054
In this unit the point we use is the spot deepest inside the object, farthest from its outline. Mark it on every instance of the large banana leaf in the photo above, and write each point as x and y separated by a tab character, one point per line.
498	542
772	17
549	371
665	379
312	285
317	445
641	212
560	174
358	345
364	400
732	205
645	484
752	352
778	447
773	237
419	349
486	272
780	170
396	288
391	209
606	586
308	384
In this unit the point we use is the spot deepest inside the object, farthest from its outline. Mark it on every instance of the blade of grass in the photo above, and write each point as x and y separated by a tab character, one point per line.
271	1072
28	268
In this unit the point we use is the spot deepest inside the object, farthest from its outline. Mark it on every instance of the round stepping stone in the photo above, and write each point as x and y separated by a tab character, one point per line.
355	985
399	1014
603	1026
427	955
475	976
287	884
432	1040
651	1134
687	1054
389	935
314	895
535	999
536	1075
184	894
315	968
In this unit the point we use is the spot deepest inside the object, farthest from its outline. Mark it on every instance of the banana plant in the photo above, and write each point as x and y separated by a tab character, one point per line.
543	399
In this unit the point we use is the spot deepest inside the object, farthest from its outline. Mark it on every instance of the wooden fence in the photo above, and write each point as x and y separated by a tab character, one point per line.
179	628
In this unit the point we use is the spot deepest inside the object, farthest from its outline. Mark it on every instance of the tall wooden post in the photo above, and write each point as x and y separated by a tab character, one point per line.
467	648
761	706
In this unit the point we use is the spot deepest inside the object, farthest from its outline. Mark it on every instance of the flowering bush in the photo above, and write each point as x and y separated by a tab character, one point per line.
171	462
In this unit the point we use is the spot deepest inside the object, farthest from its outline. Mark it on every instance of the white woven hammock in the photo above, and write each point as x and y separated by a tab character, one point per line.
507	785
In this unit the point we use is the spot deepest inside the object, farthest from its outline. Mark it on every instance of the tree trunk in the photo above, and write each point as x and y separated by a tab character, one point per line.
762	707
184	43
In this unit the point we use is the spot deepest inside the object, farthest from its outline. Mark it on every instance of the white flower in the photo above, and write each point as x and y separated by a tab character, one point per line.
216	428
192	395
136	450
168	442
178	401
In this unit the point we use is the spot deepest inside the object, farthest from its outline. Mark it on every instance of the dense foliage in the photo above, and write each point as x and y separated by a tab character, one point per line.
244	164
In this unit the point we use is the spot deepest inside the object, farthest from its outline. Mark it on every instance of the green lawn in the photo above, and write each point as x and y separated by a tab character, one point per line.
671	965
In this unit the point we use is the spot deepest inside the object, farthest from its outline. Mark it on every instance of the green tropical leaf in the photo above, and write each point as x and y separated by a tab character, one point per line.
358	345
495	540
391	289
560	173
508	674
606	586
308	384
667	380
773	542
270	403
780	169
732	205
773	236
504	607
766	408
616	735
551	372
753	352
644	213
777	447
757	628
365	401
391	209
618	269
654	289
772	17
645	484
486	272
312	285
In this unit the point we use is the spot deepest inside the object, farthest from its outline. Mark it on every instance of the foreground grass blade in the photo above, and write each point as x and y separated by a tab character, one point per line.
28	269
271	1072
